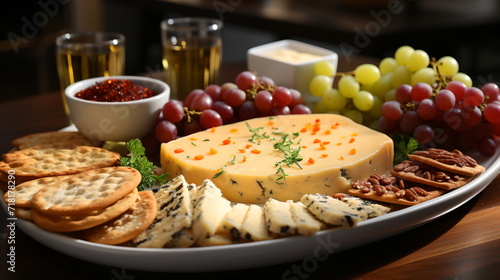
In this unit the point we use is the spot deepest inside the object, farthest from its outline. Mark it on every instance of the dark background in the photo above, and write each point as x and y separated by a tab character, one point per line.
467	30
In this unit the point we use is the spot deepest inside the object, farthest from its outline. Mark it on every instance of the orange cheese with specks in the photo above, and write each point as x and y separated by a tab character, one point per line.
245	161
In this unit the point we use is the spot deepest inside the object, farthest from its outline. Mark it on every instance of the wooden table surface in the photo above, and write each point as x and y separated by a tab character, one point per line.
463	244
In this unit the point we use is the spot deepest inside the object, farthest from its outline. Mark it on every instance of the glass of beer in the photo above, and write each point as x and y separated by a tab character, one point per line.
192	53
83	55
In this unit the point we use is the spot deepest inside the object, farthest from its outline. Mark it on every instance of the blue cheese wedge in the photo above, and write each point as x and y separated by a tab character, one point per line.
333	211
210	208
254	227
185	237
174	213
279	217
307	223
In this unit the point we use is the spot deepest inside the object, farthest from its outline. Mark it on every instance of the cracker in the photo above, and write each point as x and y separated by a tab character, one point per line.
393	190
128	225
82	222
50	160
87	191
454	161
67	138
428	175
24	213
24	192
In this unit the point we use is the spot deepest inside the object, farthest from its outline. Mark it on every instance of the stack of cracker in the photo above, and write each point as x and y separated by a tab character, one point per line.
426	175
65	184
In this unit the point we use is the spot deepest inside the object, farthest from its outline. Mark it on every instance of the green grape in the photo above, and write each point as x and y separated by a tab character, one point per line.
375	112
333	100
367	73
318	107
424	75
417	60
363	100
447	65
383	85
402	53
325	67
348	86
390	95
319	84
387	65
462	77
354	115
401	75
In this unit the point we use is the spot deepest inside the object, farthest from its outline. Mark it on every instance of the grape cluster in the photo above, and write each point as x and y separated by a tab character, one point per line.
450	116
360	94
248	97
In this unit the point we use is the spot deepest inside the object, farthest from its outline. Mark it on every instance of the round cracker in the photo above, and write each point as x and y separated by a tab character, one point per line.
82	222
87	191
68	138
128	225
24	192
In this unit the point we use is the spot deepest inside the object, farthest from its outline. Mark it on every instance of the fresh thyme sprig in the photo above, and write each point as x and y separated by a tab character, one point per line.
256	134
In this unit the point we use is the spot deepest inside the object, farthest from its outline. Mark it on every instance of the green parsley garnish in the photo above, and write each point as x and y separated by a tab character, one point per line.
404	145
137	159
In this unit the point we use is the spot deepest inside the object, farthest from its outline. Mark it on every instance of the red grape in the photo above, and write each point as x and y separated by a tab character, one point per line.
173	111
246	80
296	98
192	127
247	111
445	100
409	121
201	102
264	101
210	118
281	97
427	109
403	93
225	111
458	89
492	113
234	97
391	110
283	110
473	97
487	147
491	92
266	81
191	96
165	131
420	91
300	109
423	134
453	118
214	92
471	116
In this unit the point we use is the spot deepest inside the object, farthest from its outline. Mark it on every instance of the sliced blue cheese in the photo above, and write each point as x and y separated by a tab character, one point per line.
254	226
231	224
174	213
279	217
372	209
210	208
307	223
333	211
185	238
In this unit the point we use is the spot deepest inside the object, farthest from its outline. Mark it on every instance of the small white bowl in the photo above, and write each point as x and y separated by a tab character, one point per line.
289	74
116	121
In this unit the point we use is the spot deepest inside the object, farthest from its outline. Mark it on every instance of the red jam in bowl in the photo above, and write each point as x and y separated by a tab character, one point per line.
114	90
